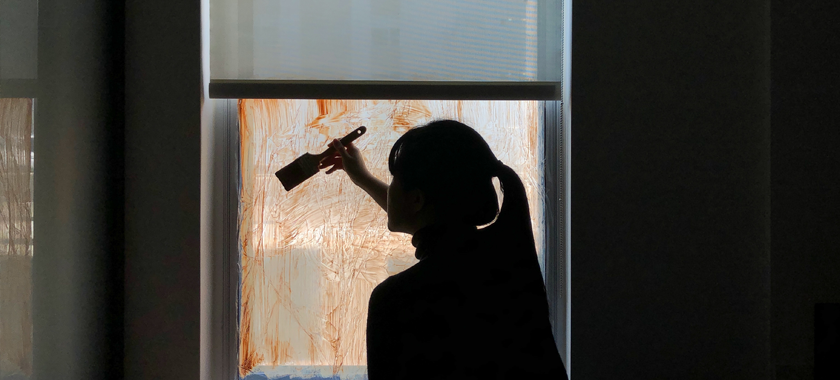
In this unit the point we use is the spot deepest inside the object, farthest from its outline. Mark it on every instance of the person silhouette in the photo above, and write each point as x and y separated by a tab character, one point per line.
475	305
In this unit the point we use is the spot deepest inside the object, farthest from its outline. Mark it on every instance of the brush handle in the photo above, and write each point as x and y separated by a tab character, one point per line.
344	141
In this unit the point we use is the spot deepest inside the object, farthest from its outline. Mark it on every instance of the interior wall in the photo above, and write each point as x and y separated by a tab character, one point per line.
806	163
18	39
163	166
670	190
77	275
670	156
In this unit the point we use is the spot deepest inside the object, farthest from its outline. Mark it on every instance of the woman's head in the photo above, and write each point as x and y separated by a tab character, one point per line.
442	173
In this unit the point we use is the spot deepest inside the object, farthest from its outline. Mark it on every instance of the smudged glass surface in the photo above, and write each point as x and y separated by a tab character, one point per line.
16	238
407	40
310	257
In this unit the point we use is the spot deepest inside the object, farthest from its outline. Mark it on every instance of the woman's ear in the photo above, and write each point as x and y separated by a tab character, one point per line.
416	200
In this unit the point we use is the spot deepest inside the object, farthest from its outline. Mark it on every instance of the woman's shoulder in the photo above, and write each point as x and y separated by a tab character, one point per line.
403	279
418	279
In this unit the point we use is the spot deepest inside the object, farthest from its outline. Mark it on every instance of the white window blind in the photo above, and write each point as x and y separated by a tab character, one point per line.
386	40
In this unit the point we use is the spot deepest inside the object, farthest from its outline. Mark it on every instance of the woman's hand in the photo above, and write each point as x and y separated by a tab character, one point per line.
351	161
347	158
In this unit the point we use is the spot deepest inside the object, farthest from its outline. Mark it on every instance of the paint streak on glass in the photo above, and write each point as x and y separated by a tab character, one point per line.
311	257
15	238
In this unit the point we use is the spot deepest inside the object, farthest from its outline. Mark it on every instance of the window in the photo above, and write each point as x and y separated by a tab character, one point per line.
18	75
310	257
16	164
288	76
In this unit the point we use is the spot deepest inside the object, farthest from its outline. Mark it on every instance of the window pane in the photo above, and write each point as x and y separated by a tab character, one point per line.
15	238
311	257
408	40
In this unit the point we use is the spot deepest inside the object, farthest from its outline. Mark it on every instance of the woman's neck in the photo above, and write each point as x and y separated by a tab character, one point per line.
437	236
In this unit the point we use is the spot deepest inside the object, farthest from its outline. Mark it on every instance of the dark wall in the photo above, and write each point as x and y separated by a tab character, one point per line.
806	177
163	189
77	277
671	189
670	214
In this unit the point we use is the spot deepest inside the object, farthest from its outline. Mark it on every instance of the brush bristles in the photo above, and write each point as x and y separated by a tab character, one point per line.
292	175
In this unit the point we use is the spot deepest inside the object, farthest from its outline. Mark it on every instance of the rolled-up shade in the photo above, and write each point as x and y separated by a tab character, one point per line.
391	40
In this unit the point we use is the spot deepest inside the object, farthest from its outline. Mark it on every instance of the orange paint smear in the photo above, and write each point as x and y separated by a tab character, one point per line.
312	256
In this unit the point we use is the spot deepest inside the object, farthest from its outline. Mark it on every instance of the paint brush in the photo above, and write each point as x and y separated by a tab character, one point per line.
306	165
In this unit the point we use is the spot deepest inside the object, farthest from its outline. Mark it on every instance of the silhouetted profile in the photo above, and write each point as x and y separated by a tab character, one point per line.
475	305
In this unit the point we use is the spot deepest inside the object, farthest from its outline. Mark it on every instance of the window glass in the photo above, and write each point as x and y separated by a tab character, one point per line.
407	40
310	257
16	165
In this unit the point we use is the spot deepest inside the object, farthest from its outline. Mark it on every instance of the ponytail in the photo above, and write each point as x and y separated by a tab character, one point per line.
512	232
514	219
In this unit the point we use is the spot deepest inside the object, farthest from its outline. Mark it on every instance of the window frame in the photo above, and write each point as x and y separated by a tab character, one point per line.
19	88
401	90
555	210
26	89
224	95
